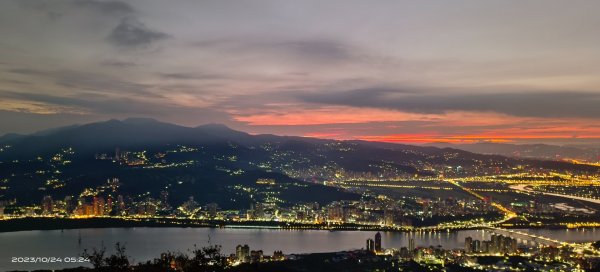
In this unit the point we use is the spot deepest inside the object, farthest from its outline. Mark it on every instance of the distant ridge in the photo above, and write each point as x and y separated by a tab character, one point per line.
211	157
137	132
536	151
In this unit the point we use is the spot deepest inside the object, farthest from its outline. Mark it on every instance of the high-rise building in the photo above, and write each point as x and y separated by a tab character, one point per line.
469	245
335	213
47	205
476	246
502	244
259	211
238	253
509	245
301	215
98	204
109	204
485	246
69	204
164	199
242	253
256	256
348	213
370	245
378	242
278	255
495	244
404	253
212	209
87	210
388	217
514	245
120	204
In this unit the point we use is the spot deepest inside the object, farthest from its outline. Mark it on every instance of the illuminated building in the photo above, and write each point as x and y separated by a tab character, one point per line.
388	217
476	246
256	256
495	243
266	181
259	211
468	245
98	206
69	204
47	205
370	245
242	253
120	205
486	246
378	242
278	255
335	213
164	199
109	205
212	209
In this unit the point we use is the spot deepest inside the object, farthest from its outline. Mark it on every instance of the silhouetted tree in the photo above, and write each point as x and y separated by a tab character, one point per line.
203	259
115	262
207	258
96	257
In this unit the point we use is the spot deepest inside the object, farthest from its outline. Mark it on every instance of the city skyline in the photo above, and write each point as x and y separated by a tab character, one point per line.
459	72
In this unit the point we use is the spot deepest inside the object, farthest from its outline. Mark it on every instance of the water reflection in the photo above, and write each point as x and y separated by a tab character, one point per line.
146	243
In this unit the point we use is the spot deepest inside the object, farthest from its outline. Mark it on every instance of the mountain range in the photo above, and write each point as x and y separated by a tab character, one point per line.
534	151
214	163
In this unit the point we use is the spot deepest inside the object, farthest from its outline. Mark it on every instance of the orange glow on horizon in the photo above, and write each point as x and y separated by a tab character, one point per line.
450	127
419	138
330	115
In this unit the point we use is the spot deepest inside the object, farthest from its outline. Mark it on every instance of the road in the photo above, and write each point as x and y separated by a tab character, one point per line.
523	188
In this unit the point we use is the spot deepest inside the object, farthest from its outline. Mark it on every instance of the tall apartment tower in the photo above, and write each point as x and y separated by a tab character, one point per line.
378	242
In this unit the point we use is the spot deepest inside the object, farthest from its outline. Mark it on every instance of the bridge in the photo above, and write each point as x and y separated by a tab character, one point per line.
538	239
524	188
528	237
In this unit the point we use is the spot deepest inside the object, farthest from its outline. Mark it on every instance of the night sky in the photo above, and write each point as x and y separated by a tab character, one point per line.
397	71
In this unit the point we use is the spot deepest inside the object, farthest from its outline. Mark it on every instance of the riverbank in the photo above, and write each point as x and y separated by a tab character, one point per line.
51	223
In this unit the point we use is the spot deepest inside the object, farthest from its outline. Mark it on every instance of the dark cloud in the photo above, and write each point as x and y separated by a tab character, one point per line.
320	50
47	99
29	72
15	81
57	9
528	104
83	81
190	76
106	7
102	84
117	63
100	105
132	33
106	56
31	122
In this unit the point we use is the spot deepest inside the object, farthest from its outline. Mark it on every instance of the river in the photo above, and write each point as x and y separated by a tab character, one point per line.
146	243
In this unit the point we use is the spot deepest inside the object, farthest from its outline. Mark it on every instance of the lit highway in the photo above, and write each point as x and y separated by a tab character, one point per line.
523	188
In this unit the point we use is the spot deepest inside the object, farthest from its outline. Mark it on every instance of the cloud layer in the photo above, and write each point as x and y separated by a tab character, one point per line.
131	32
526	103
397	71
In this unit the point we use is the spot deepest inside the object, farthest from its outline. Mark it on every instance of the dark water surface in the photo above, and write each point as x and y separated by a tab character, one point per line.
147	243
